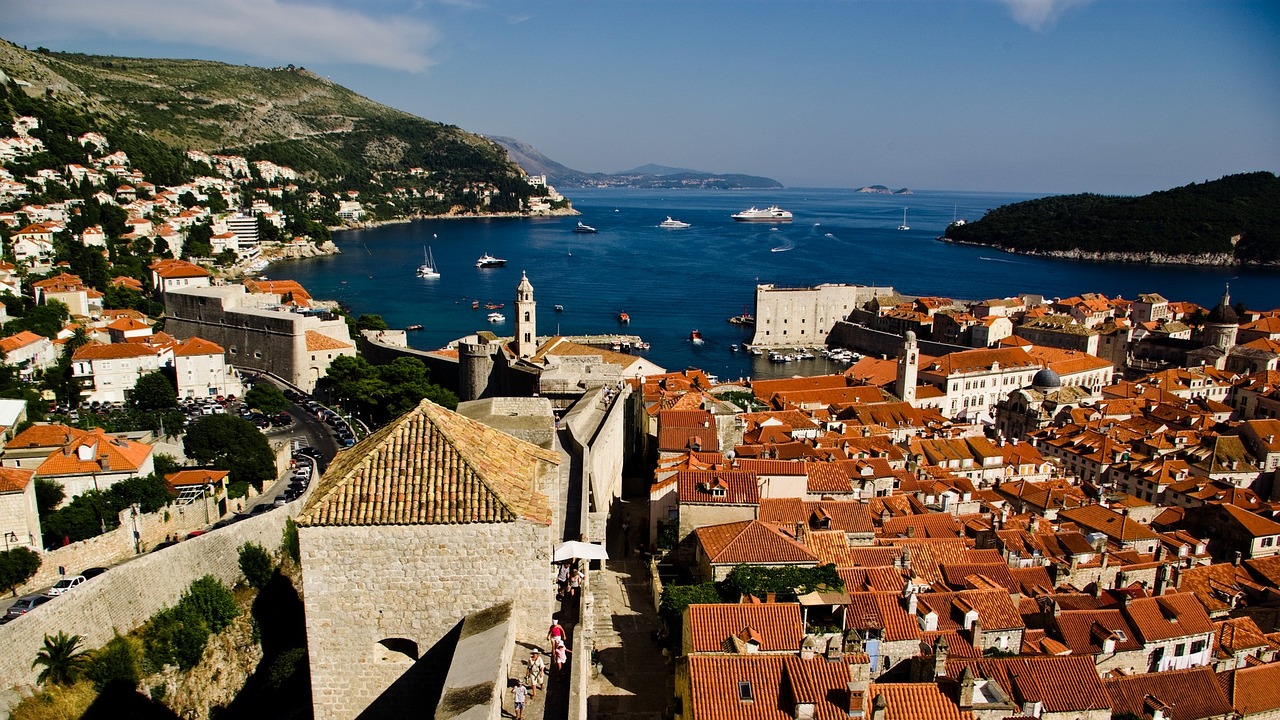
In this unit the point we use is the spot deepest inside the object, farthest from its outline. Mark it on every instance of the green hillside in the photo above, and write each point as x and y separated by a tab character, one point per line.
1238	215
286	115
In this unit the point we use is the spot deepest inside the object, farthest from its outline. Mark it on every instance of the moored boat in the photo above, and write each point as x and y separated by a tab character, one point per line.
672	224
488	261
428	267
584	228
559	308
414	327
696	337
624	318
773	213
497	317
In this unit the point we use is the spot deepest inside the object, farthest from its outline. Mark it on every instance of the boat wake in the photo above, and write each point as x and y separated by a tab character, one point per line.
1000	260
788	245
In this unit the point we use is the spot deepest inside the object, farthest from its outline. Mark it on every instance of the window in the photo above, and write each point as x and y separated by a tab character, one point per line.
1120	635
1180	650
257	354
1197	646
744	691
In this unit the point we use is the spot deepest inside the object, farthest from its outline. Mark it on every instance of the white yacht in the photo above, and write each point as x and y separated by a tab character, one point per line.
673	224
488	261
904	225
428	267
773	213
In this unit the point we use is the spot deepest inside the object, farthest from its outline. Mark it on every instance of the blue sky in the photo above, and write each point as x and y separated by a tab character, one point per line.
1109	96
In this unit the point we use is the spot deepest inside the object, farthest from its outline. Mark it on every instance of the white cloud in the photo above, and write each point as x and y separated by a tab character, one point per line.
276	31
1040	14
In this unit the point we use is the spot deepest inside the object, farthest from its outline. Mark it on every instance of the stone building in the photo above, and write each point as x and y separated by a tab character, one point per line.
430	518
791	317
259	332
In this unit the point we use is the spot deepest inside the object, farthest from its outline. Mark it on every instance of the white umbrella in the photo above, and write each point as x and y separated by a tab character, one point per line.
579	550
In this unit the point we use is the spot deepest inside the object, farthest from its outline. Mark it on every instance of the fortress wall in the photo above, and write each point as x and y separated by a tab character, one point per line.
805	317
412	583
444	370
126	596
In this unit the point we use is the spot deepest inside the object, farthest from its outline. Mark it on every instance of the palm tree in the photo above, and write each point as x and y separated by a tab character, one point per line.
60	659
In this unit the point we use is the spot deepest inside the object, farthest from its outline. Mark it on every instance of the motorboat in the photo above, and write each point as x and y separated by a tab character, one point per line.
773	213
904	225
559	308
624	318
428	267
497	317
673	224
488	261
584	228
696	337
414	327
475	304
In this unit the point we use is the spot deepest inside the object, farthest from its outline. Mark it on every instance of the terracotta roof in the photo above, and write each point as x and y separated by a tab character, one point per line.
1168	616
685	438
1238	634
754	542
703	486
44	436
433	466
911	701
126	324
1190	694
195	477
774	682
995	609
1252	690
174	268
114	351
20	340
1085	630
776	626
107	453
851	516
198	346
1252	523
1062	683
929	525
1114	525
15	479
317	341
980	360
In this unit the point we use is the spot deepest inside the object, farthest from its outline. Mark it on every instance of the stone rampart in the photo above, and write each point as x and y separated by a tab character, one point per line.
127	596
444	370
372	589
879	343
795	317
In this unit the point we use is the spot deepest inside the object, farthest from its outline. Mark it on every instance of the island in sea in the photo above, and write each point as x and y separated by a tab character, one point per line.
1234	220
648	177
883	190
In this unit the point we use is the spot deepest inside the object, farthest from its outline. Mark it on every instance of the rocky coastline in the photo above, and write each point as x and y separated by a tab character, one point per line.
1109	256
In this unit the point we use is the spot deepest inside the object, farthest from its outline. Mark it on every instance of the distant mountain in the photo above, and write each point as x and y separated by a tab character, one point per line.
646	176
652	169
1231	221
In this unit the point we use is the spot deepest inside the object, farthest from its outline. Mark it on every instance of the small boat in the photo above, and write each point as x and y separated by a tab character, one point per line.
559	308
696	337
584	228
488	261
497	317
757	351
641	345
414	327
733	347
494	306
673	224
624	318
428	267
904	225
475	304
745	318
773	213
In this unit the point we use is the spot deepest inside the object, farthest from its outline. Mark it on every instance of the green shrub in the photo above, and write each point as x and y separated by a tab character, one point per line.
286	667
290	542
17	566
115	662
256	564
213	601
175	636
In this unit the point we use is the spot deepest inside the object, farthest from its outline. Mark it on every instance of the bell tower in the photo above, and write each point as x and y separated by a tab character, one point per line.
526	319
908	367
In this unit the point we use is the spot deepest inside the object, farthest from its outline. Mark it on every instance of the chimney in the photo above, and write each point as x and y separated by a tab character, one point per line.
808	648
940	658
976	640
802	531
879	707
1236	561
966	689
855	700
912	603
835	649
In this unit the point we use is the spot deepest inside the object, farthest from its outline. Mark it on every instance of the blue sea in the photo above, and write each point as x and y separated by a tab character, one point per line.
674	281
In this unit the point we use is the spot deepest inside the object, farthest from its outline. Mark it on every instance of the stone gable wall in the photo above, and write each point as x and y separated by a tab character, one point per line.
365	584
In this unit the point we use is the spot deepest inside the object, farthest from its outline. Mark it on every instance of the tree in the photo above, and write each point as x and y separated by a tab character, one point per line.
256	564
153	391
60	658
199	239
116	662
371	322
266	397
46	320
49	494
231	443
17	566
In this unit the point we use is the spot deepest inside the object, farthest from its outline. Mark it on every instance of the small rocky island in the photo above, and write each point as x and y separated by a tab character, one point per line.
882	190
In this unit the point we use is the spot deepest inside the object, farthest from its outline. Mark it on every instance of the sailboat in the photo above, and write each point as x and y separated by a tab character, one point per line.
904	225
428	267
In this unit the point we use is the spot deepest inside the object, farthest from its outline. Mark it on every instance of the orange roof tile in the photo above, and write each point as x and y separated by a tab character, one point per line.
44	436
15	479
195	477
777	626
173	268
911	701
106	453
20	340
114	351
1168	616
1189	694
1064	684
752	542
198	346
433	466
1252	690
318	341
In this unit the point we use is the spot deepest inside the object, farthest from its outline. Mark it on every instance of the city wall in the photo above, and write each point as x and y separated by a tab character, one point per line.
444	370
878	343
804	317
127	596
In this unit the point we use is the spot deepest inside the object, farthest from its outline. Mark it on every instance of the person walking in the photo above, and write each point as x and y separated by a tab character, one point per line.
537	672
562	580
575	581
561	654
556	632
522	694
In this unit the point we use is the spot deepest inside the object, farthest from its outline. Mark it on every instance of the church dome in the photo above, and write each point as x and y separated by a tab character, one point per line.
1046	379
1223	313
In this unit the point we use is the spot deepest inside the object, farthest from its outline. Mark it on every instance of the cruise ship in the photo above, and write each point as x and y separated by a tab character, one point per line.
773	213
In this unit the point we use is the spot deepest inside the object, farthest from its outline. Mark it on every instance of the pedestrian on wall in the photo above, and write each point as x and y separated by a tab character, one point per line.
555	632
537	672
562	580
561	654
522	694
575	581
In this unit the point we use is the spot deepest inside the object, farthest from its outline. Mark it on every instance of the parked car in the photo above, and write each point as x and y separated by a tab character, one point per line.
65	585
93	572
25	605
163	545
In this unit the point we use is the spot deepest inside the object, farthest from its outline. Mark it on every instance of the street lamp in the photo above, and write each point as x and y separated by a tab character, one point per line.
9	536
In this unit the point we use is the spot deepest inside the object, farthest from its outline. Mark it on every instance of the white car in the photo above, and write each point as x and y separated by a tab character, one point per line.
65	585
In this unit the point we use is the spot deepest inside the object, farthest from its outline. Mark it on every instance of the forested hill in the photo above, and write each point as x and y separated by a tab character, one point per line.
1234	220
286	115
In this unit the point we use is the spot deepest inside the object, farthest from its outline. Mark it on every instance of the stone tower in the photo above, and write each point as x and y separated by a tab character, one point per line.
908	366
526	319
1221	326
475	368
